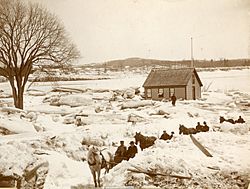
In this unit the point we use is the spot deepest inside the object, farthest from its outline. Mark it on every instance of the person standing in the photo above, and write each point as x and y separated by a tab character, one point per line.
173	99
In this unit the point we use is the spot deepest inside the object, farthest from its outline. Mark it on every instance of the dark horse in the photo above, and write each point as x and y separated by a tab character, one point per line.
186	131
145	141
222	119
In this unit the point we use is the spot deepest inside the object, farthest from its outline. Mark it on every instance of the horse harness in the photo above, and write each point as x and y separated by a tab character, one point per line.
94	163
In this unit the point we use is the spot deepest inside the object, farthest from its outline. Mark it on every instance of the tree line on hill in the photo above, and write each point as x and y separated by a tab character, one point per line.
138	62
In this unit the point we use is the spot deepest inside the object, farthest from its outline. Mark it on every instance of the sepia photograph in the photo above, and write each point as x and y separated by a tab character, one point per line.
124	94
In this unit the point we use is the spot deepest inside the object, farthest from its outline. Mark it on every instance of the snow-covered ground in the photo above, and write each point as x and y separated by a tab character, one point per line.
44	136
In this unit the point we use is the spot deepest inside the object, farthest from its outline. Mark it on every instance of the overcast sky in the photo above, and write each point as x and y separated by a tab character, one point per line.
160	29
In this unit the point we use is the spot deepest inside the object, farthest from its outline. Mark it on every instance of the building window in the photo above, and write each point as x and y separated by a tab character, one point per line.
160	92
193	79
171	91
149	93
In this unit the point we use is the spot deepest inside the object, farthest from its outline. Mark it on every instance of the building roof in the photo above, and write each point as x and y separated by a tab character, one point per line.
170	77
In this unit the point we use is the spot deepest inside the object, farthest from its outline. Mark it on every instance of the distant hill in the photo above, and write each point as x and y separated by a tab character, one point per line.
140	62
135	62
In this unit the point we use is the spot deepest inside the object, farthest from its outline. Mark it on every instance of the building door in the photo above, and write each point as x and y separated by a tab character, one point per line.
193	91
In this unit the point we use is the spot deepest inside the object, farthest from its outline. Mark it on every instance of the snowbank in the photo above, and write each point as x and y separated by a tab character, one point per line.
73	101
65	172
64	146
136	104
237	128
15	124
181	157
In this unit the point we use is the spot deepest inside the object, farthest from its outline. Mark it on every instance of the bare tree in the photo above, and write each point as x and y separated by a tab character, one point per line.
30	36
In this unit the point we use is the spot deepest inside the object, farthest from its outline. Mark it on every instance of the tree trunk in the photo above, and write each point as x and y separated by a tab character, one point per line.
17	96
20	99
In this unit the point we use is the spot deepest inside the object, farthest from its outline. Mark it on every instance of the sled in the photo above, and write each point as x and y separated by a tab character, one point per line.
150	173
200	146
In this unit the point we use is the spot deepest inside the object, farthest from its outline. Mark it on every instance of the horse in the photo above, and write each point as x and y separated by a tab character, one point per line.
145	141
222	119
98	160
186	131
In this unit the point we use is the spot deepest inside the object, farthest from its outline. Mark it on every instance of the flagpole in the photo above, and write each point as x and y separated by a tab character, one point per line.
192	56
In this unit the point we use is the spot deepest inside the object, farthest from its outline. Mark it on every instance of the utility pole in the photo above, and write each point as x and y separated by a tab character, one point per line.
192	56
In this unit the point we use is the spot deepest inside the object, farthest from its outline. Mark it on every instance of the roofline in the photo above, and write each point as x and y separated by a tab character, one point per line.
172	68
198	78
152	70
167	86
147	77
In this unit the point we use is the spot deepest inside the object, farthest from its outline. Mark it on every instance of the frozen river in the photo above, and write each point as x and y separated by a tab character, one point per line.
218	80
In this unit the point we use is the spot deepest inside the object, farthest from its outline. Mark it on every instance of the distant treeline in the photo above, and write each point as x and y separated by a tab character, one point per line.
221	63
138	62
131	63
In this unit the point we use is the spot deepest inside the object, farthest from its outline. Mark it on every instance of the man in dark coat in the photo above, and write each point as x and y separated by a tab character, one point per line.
120	153
198	127
132	150
240	120
173	99
166	136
